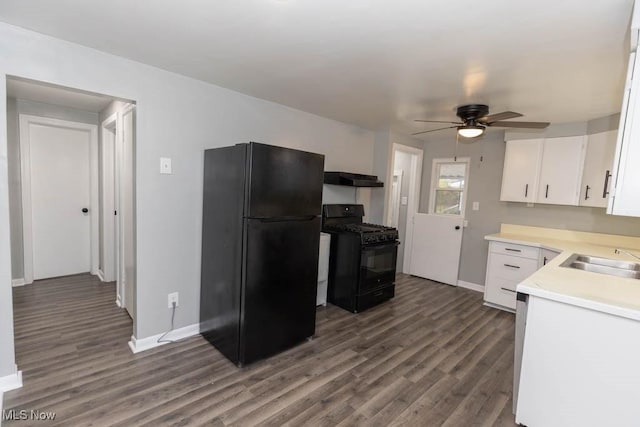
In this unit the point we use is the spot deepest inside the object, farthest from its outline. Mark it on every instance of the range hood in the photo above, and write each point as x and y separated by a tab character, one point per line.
352	179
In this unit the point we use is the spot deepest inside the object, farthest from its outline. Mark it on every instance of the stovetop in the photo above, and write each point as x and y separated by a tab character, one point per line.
361	228
342	218
369	233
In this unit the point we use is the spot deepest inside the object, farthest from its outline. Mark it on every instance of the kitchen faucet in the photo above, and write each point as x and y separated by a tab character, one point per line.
622	251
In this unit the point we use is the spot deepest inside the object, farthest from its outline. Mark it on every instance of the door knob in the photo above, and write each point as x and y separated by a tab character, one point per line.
85	210
457	227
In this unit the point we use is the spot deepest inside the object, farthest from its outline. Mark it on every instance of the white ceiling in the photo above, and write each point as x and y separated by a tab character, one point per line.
375	63
24	89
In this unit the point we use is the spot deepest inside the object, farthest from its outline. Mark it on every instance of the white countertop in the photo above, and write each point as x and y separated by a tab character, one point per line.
601	292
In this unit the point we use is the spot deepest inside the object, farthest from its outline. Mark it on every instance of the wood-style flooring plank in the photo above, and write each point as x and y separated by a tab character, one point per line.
433	355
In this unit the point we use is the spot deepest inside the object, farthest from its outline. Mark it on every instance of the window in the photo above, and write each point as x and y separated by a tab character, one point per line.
448	186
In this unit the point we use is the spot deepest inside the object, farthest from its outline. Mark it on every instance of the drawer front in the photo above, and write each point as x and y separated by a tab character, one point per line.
376	297
515	250
511	268
501	292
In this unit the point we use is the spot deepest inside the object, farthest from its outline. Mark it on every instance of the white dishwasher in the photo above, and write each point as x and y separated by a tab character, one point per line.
323	268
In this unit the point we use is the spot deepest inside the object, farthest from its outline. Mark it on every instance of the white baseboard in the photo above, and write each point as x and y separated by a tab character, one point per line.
17	282
138	345
499	307
472	286
100	275
11	382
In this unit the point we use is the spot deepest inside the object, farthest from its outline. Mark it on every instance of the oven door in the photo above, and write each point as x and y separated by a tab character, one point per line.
377	266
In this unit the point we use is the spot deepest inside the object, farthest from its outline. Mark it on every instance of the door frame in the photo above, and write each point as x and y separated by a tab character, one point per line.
120	218
109	197
25	175
415	178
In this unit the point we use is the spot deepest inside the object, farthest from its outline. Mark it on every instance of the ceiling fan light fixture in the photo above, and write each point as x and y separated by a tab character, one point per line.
471	131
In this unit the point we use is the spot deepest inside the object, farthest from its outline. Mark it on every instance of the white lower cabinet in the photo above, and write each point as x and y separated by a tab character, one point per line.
547	255
579	367
323	269
508	265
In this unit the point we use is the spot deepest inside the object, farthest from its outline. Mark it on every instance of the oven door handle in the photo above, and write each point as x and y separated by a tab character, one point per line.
385	246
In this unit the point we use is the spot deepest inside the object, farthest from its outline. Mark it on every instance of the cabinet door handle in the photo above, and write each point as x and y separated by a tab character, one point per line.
526	190
605	192
512	250
586	193
508	290
544	260
546	193
512	266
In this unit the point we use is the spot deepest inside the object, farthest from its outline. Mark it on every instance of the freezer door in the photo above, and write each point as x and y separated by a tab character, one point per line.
283	182
280	281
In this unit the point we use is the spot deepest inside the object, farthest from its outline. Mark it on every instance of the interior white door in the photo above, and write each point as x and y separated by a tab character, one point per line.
60	190
437	240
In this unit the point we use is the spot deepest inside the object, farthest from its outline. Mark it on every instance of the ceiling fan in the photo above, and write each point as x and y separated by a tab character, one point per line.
475	119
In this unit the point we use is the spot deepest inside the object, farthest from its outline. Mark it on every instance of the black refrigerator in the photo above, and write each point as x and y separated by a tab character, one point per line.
260	243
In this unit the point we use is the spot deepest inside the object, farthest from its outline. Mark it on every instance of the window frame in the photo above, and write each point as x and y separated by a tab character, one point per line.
436	162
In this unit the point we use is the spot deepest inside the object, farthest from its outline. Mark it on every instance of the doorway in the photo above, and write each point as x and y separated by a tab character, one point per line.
438	233
405	174
71	186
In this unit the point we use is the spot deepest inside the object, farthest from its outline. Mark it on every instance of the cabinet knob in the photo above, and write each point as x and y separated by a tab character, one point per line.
457	227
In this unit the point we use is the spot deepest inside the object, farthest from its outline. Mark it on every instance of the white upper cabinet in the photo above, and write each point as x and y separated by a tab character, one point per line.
561	170
521	167
625	179
598	164
625	185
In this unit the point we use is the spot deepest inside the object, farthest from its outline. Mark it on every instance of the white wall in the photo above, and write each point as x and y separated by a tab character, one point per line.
177	117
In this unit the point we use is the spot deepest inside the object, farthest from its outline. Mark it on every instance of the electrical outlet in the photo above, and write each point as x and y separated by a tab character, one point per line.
173	297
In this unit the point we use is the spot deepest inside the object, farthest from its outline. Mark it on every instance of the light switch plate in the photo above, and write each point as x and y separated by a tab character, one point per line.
165	165
476	206
404	200
465	223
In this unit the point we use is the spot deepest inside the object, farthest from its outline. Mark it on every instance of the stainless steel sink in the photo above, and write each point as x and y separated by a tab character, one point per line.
611	267
615	263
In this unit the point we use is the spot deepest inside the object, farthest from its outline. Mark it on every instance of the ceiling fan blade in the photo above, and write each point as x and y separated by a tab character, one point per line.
499	116
433	130
523	125
438	121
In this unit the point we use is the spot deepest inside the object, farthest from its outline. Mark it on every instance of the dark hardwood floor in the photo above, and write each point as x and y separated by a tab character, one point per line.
434	355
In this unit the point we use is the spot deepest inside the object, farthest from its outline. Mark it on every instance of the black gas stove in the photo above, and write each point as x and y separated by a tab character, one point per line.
362	262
